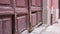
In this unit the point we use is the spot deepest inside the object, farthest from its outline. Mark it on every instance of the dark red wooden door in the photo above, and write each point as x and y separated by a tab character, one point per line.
21	23
22	6
7	26
35	8
1	26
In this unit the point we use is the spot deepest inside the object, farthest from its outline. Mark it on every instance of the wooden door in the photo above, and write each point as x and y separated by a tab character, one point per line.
22	24
35	8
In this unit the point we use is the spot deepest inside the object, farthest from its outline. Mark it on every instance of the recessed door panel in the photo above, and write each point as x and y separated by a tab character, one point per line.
36	5
33	2
38	2
21	3
1	32
33	19
7	26
21	23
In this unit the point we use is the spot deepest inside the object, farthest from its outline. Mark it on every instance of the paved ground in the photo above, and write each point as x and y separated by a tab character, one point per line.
53	29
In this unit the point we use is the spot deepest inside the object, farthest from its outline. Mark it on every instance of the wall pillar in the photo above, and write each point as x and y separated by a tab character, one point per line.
46	12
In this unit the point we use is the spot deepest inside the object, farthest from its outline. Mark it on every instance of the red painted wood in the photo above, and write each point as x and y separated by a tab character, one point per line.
36	5
21	10
7	25
22	6
33	2
1	26
38	2
34	19
21	3
33	9
21	23
6	10
4	1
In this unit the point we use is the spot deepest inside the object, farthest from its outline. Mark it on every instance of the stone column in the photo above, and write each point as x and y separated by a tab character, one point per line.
46	12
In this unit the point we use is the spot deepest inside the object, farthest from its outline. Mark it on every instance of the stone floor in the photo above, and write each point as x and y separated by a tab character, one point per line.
53	29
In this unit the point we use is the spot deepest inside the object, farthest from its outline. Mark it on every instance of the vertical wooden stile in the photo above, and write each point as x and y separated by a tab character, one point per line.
29	13
15	15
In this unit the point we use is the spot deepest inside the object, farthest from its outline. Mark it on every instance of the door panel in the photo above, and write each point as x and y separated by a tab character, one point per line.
22	6
33	19
7	26
38	2
36	5
1	26
21	23
4	1
21	3
33	2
